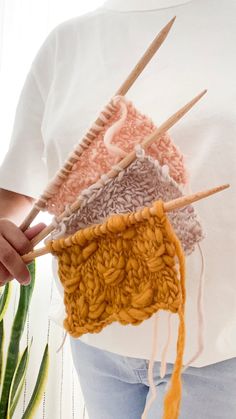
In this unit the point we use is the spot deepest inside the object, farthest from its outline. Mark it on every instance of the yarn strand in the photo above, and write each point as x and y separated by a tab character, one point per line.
150	369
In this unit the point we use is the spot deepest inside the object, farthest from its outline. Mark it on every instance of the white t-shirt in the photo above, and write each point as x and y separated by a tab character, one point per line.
79	67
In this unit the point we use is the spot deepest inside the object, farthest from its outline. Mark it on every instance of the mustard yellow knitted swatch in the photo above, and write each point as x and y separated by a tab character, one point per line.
124	270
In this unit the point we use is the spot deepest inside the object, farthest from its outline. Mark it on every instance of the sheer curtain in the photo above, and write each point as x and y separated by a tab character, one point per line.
24	25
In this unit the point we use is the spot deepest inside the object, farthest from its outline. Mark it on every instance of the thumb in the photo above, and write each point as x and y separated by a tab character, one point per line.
31	232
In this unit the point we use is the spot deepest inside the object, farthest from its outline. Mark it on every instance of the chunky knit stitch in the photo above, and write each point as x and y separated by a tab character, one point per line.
125	128
139	185
125	270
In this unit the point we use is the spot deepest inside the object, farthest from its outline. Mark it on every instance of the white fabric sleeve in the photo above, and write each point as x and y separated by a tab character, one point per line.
23	169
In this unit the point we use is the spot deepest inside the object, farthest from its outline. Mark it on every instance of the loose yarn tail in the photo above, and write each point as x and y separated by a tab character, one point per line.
116	127
152	360
164	353
200	309
173	395
150	369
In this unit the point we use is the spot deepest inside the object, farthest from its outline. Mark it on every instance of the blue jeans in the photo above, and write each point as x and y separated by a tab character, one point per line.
116	387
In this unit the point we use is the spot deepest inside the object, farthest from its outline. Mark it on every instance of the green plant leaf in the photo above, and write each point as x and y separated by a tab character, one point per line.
16	333
1	347
39	387
4	299
18	381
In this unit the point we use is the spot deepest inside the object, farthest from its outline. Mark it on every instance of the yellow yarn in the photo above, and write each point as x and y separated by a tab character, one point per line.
125	270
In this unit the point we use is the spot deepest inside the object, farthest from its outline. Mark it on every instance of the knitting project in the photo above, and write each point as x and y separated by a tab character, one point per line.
126	127
119	255
139	185
124	270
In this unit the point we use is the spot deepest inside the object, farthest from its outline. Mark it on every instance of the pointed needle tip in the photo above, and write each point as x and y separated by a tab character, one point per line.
227	185
203	93
171	22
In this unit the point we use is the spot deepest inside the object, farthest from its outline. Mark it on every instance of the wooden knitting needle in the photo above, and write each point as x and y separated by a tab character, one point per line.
137	70
150	52
126	161
168	206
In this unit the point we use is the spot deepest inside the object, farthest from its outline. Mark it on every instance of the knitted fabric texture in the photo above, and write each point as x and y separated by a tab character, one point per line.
125	270
125	127
139	185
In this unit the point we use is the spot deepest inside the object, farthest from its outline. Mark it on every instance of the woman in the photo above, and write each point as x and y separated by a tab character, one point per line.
77	69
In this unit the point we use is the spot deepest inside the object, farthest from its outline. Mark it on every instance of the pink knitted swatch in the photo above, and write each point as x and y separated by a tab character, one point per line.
125	128
139	185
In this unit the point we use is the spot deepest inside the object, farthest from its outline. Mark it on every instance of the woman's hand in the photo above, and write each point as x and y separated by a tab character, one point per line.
13	244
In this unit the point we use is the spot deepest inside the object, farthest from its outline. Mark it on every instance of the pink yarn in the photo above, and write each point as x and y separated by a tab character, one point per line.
99	157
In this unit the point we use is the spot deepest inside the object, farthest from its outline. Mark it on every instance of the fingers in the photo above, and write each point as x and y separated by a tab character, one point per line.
12	262
4	275
13	244
33	231
15	237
